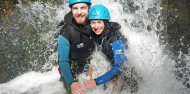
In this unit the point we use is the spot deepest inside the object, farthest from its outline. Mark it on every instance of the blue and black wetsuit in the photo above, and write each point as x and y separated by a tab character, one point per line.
113	44
75	45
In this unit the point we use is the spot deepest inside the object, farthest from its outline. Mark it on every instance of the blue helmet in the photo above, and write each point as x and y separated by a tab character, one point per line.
99	12
71	2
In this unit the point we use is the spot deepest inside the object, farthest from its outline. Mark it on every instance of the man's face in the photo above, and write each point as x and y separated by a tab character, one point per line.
80	12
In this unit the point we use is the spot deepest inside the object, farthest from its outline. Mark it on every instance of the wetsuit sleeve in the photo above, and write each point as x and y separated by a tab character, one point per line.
118	48
63	59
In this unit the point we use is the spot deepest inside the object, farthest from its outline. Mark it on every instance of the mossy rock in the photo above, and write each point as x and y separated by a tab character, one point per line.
179	7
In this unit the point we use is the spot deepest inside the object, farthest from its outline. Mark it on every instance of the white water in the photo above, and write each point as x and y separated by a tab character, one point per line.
145	55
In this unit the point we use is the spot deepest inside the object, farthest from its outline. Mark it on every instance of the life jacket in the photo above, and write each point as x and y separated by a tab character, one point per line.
81	45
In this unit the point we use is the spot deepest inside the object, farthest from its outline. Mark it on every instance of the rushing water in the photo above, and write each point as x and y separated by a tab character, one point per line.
141	24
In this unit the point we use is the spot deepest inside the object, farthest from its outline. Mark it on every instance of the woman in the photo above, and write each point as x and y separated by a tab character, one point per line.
110	41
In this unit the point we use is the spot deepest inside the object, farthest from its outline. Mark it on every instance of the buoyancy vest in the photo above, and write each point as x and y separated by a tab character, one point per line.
80	41
81	44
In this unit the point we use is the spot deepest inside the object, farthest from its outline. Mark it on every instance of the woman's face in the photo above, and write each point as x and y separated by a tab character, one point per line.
97	26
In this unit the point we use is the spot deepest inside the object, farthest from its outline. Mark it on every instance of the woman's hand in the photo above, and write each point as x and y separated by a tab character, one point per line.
90	83
77	88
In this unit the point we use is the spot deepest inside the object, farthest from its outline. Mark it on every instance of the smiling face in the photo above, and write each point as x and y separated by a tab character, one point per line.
80	12
97	26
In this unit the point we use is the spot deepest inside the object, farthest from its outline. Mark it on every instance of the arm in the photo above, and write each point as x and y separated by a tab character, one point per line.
118	48
63	59
63	53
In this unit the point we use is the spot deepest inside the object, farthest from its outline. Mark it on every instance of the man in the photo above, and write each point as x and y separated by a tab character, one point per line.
75	44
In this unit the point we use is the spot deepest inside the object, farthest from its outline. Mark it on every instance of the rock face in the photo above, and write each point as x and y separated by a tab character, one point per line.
22	45
177	36
178	7
6	7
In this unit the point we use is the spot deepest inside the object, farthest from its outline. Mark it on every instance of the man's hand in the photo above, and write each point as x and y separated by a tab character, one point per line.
90	84
77	88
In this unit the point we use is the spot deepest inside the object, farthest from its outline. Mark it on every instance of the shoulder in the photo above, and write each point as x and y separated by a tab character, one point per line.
66	23
64	29
114	29
115	26
116	33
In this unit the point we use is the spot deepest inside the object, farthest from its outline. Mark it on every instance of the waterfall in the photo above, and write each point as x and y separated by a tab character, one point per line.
141	23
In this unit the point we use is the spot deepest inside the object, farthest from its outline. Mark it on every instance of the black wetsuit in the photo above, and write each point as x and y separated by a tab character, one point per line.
75	45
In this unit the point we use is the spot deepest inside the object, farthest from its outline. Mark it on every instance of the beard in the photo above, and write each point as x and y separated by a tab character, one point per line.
80	19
